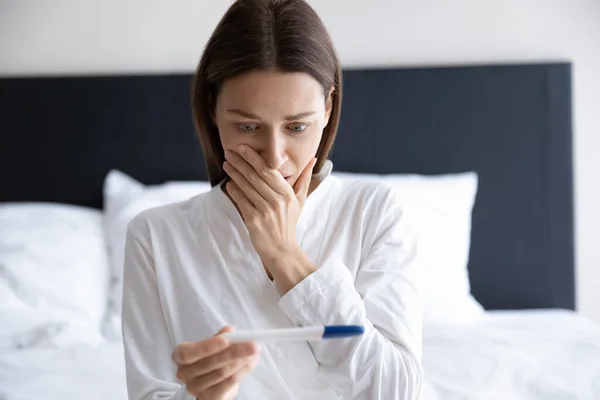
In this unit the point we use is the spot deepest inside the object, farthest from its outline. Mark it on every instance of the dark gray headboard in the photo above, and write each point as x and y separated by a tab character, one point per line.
511	124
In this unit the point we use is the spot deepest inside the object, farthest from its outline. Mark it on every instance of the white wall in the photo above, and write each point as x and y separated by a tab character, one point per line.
116	36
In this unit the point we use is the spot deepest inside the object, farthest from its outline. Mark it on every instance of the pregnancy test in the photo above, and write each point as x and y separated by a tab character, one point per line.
300	334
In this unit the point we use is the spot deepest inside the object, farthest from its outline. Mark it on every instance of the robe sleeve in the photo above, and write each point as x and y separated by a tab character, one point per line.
150	373
385	362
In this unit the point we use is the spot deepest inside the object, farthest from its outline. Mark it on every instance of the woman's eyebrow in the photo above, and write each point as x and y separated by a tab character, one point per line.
299	115
254	116
243	113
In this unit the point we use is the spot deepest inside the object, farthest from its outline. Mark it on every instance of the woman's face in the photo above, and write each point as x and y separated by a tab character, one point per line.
281	115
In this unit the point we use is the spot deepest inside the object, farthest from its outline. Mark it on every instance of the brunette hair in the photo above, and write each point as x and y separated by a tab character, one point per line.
264	35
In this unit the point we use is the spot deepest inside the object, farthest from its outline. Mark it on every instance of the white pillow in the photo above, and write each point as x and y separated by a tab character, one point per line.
53	275
124	198
440	209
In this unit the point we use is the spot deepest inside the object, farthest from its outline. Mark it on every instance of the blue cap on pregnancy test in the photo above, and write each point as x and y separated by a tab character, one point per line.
339	331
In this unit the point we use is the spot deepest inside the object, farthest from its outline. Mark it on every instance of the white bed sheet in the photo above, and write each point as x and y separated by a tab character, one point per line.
518	355
77	373
507	355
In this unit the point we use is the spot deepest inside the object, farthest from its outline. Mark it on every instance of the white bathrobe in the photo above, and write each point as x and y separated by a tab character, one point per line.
190	269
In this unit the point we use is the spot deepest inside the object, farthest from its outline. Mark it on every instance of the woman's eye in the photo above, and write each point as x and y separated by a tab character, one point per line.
248	127
297	128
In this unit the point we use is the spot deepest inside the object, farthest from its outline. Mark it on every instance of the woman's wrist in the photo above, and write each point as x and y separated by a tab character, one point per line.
290	268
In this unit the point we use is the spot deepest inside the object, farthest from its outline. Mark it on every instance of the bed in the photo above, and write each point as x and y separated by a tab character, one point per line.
490	143
551	355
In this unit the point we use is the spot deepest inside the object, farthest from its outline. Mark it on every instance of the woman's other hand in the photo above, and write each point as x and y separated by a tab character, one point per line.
213	368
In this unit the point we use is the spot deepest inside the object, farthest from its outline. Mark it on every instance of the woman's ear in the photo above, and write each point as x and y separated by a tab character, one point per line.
328	105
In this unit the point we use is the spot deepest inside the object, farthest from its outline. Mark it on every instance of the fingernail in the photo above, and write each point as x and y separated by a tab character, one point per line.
227	153
241	148
176	357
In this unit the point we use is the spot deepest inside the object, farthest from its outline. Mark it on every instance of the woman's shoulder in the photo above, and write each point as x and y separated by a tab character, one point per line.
169	217
366	194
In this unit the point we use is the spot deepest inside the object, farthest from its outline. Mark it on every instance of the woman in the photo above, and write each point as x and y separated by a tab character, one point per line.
273	244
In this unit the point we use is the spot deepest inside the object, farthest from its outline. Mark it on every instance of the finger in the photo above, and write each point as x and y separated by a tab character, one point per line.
260	167
244	204
220	389
202	383
225	329
249	190
303	182
190	352
225	359
253	175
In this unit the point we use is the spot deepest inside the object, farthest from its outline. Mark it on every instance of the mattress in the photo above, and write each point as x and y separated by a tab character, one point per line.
507	355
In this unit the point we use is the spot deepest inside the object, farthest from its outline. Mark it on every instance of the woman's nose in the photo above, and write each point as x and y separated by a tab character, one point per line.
274	151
